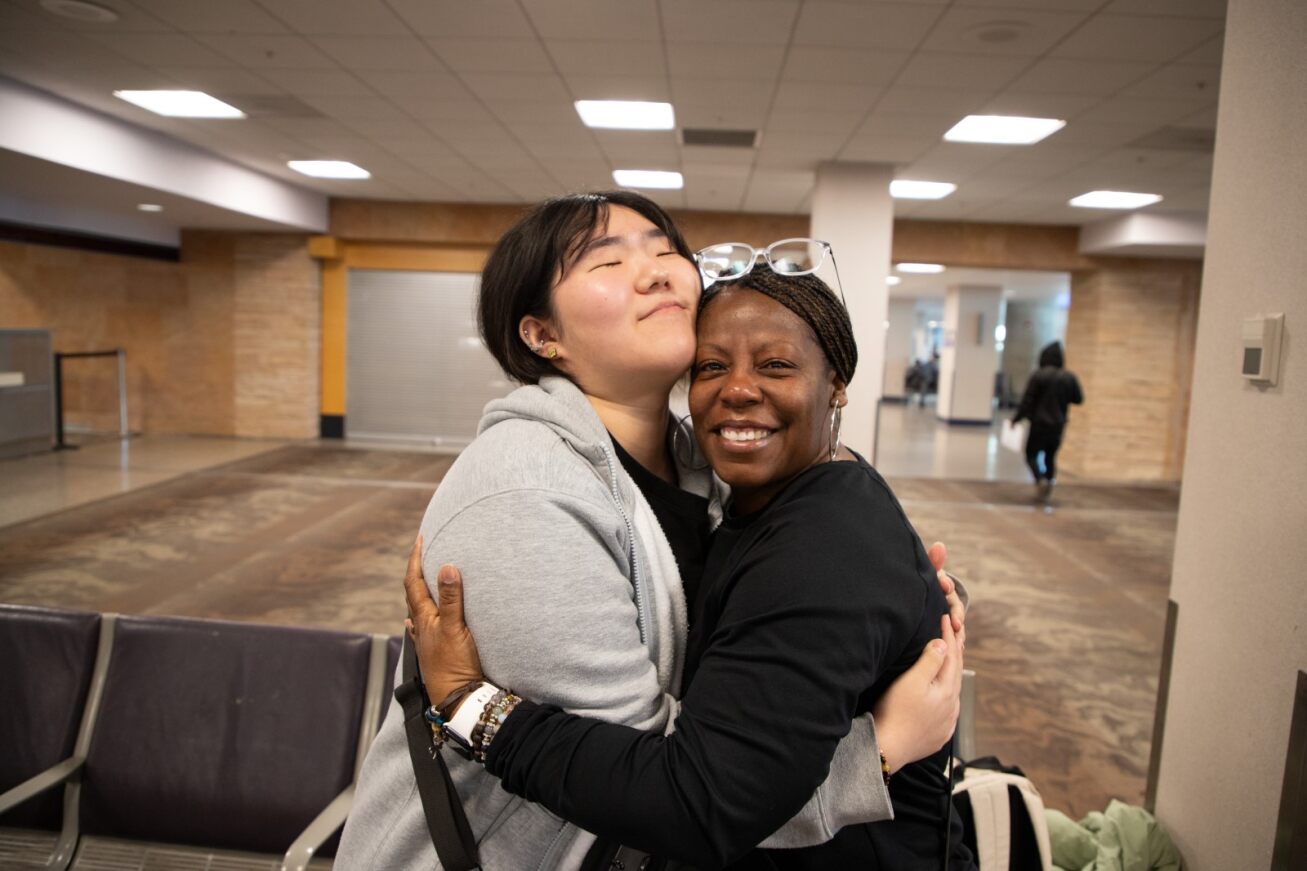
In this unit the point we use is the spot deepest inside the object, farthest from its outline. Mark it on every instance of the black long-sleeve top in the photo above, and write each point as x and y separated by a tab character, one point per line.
1049	391
807	611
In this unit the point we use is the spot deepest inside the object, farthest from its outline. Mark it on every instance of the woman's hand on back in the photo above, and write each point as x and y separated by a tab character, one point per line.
957	609
918	714
447	652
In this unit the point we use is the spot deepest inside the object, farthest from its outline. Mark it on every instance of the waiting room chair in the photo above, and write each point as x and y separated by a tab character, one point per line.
217	743
54	669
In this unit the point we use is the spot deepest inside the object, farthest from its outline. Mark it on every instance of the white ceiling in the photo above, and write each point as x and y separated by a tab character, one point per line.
471	100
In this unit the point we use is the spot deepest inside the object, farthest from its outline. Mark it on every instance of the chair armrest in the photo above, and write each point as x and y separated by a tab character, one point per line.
39	783
332	818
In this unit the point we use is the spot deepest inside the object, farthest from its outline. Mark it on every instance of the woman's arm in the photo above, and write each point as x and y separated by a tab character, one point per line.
740	763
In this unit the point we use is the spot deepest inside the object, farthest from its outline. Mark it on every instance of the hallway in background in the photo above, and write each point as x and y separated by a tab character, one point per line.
913	443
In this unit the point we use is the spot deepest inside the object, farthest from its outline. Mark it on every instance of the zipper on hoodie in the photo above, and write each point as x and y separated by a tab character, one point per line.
630	544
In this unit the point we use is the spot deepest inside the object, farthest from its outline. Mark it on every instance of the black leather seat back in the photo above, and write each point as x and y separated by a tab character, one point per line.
223	735
46	659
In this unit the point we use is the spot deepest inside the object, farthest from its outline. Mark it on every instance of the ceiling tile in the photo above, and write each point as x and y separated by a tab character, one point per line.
537	112
160	49
916	126
1063	106
494	86
206	16
887	149
1209	52
1136	37
439	113
839	124
545	147
864	24
595	87
1203	118
792	154
1070	76
978	30
130	19
393	125
268	52
319	83
1178	80
691	60
531	185
824	96
416	85
419	147
592	57
580	175
223	82
952	102
1176	8
1148	113
976	72
594	19
956	161
337	17
469	55
850	65
716	156
490	19
724	22
638	149
365	108
379	52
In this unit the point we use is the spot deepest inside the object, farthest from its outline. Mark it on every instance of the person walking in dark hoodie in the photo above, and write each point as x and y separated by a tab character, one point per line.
1048	393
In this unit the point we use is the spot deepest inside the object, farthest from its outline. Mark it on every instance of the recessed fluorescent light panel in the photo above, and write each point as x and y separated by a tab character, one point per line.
648	178
1003	129
626	114
329	169
892	280
180	104
150	207
921	268
1114	200
904	189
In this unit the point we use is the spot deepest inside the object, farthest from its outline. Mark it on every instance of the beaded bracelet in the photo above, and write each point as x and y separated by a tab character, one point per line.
492	718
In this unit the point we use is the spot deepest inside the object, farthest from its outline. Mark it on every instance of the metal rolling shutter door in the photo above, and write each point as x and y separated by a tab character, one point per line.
416	368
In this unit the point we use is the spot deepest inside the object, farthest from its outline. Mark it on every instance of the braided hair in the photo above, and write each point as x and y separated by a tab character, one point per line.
813	301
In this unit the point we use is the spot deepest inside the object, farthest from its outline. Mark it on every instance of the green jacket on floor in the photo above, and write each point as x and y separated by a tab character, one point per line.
1124	838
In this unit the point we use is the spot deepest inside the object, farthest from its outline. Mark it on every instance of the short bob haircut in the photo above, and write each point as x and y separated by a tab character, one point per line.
533	255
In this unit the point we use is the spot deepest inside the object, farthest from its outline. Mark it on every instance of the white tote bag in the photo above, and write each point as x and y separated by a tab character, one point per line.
1013	436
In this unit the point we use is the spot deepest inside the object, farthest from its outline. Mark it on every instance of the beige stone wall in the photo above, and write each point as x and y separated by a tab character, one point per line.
1130	339
224	342
276	334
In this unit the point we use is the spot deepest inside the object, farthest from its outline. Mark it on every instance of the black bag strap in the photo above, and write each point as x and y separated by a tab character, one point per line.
450	831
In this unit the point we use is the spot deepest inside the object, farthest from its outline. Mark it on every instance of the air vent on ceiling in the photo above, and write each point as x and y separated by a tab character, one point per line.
1198	140
721	138
272	106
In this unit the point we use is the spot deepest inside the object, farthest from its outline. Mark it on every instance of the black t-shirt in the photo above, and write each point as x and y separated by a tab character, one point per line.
682	515
808	610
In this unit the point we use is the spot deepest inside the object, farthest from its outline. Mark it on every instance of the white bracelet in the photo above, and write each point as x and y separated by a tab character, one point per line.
469	712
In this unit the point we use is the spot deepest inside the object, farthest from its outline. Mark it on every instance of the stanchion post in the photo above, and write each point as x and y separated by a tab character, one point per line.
59	443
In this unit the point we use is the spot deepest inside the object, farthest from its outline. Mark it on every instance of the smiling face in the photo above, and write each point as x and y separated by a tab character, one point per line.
762	395
622	315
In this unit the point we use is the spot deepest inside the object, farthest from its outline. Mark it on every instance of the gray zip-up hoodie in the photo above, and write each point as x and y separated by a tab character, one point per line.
574	597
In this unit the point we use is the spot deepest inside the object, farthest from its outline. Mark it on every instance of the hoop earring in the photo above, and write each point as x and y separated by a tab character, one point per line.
836	416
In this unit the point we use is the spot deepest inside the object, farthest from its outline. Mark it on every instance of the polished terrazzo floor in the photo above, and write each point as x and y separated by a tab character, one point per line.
1065	629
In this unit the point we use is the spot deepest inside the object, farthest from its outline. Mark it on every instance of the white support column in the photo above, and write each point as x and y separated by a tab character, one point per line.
900	329
969	359
852	210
